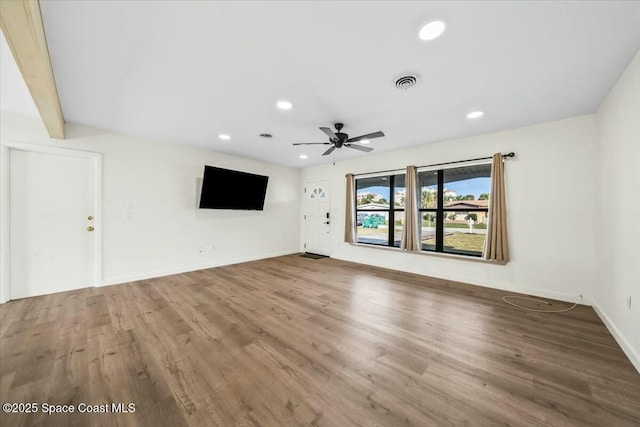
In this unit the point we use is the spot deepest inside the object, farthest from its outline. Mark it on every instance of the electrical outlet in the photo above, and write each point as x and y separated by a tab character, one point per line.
629	302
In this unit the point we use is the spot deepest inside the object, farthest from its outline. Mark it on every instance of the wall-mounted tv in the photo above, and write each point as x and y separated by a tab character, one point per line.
230	189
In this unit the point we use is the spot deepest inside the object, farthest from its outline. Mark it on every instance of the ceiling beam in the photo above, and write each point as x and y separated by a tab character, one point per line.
21	23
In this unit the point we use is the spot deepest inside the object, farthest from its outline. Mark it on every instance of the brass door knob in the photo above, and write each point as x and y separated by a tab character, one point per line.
90	217
90	228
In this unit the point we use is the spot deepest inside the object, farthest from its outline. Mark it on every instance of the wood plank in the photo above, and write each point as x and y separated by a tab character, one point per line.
296	341
21	23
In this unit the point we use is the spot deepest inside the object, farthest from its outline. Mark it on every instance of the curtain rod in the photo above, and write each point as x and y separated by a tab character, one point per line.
511	154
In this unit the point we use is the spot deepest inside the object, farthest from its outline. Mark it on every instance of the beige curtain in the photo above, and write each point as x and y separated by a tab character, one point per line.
411	230
496	245
349	219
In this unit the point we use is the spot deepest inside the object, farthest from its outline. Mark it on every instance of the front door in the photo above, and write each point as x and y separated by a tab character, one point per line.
317	218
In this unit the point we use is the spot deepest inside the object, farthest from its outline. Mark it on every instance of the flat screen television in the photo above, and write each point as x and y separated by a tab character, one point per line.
230	189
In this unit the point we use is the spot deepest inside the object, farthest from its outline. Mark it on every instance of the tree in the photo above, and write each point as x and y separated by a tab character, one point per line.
484	196
428	199
468	197
472	217
368	198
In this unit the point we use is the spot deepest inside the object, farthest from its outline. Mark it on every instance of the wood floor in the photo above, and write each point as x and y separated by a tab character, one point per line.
297	341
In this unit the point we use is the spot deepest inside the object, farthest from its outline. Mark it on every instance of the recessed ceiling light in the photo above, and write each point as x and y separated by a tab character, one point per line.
224	137
284	105
365	141
475	115
304	156
432	30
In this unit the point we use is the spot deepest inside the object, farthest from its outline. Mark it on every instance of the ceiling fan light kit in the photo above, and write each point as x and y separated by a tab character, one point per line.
339	139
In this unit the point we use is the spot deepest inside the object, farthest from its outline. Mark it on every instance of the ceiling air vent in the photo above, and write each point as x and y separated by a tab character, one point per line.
407	81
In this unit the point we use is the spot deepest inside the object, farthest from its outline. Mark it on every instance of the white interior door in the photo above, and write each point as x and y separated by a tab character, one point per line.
51	202
317	217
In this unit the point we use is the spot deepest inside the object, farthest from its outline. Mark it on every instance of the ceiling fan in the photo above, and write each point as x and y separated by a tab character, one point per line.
339	140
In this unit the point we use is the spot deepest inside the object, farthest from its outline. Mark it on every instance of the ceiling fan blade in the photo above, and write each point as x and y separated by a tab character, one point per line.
359	147
329	151
367	136
311	143
330	134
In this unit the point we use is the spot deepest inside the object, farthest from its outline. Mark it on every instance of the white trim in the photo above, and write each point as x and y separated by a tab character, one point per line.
633	356
5	149
179	270
48	149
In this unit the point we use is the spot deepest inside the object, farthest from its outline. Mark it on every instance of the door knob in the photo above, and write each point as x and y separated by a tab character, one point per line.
90	228
90	217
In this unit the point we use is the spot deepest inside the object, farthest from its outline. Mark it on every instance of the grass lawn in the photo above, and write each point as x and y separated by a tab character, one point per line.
460	242
372	231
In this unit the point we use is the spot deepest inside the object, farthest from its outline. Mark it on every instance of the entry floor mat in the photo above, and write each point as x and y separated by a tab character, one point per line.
313	256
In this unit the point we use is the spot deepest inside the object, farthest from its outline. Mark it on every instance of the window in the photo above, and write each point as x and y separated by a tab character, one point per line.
380	209
453	209
318	193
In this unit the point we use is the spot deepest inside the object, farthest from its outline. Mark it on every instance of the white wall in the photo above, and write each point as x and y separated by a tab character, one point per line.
160	181
551	203
618	120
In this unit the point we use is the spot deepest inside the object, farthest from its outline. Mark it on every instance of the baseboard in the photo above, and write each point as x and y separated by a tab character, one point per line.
535	292
541	293
620	339
560	296
186	269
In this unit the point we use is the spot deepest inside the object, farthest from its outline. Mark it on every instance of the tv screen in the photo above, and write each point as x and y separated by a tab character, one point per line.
229	189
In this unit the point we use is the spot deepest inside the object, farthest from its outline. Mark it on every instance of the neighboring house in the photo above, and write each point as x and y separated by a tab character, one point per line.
365	194
464	206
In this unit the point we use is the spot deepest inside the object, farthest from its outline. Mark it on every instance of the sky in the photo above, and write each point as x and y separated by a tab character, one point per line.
475	186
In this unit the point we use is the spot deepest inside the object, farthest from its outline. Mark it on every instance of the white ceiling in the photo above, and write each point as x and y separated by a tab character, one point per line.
187	71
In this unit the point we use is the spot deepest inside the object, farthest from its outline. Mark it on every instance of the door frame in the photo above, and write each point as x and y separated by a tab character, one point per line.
306	188
5	164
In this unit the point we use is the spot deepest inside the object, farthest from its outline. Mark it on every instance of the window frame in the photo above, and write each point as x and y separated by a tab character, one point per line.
440	211
391	210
